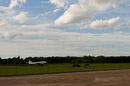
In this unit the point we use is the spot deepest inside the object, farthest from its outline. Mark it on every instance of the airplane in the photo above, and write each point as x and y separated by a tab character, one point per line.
38	62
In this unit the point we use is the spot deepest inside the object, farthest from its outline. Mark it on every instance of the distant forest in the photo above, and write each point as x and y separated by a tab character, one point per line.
68	59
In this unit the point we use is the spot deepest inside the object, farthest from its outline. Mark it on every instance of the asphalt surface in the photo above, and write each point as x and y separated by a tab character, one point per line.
97	78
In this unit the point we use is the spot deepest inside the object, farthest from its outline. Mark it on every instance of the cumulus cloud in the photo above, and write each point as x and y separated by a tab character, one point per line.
84	10
99	24
56	10
21	17
7	13
8	36
14	3
102	5
58	3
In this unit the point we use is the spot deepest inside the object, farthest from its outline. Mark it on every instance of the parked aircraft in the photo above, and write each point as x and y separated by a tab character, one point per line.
38	62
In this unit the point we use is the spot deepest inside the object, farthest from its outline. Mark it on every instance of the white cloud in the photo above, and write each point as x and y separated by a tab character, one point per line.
8	36
100	24
58	42
61	3
8	13
21	17
22	1
58	3
102	5
56	10
45	14
84	10
13	3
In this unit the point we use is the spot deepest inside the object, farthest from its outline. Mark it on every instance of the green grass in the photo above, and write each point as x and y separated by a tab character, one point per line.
58	68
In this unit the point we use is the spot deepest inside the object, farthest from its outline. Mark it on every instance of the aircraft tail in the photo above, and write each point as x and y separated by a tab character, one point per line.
30	62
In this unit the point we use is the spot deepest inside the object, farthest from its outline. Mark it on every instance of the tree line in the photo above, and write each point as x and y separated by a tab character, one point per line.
68	59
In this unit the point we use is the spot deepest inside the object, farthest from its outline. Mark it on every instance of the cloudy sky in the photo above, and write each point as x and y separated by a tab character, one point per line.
64	27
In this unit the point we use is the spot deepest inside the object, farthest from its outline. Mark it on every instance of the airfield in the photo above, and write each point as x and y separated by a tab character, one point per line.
18	70
95	78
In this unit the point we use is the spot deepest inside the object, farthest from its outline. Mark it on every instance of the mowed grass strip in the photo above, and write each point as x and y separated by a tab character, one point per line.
58	68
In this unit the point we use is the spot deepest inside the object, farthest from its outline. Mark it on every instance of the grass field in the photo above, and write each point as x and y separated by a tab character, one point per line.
58	68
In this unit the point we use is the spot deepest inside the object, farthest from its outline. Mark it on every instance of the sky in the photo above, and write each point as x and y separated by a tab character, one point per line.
64	28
